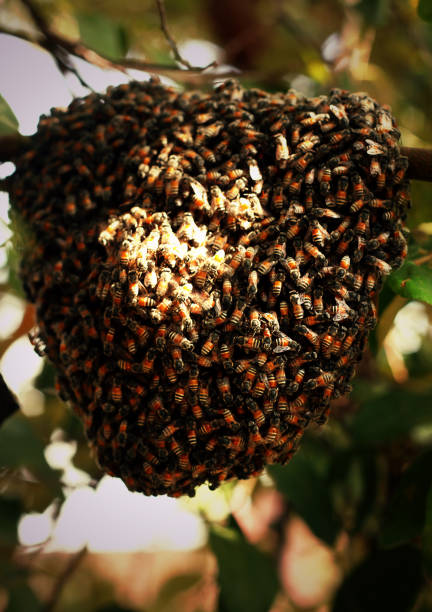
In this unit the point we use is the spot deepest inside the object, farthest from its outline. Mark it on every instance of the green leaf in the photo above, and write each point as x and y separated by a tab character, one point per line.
424	10
10	571
20	447
8	121
247	577
46	379
391	416
22	597
353	482
103	35
304	484
374	12
413	282
387	580
405	514
172	588
369	491
10	512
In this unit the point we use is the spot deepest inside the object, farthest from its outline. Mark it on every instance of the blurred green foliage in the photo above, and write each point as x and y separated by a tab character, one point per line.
8	121
363	484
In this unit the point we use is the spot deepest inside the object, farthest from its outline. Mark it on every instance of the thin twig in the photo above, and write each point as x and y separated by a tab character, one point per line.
164	27
422	260
63	578
57	51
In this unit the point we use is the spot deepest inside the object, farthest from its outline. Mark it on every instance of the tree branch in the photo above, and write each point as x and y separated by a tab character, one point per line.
420	163
77	49
11	146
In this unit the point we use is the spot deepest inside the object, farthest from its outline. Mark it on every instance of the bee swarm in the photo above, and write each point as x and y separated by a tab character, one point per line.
204	268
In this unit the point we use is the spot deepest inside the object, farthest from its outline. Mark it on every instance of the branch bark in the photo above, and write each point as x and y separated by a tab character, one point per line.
420	163
11	146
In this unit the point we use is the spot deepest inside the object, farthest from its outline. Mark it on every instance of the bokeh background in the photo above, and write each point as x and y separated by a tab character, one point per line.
347	525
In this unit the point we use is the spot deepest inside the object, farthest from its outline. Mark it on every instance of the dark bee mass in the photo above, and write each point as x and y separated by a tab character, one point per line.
205	268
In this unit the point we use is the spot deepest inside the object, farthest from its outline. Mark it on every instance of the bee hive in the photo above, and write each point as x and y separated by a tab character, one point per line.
204	268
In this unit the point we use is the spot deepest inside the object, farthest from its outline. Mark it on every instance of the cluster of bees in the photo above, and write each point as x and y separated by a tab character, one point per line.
205	268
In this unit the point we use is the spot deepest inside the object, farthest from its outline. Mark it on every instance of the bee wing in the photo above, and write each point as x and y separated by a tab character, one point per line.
374	148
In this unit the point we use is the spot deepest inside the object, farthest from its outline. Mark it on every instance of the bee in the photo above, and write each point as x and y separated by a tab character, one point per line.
285	343
297	381
341	194
254	320
238	312
176	356
145	302
210	344
203	395
323	380
296	306
109	341
148	362
179	395
179	340
302	162
273	386
294	229
116	391
107	430
191	432
328	340
225	355
257	413
226	292
382	266
309	335
218	201
260	386
345	242
229	419
379	241
249	378
324	178
248	342
236	260
273	431
319	233
284	311
297	403
206	428
266	266
340	113
339	231
278	198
